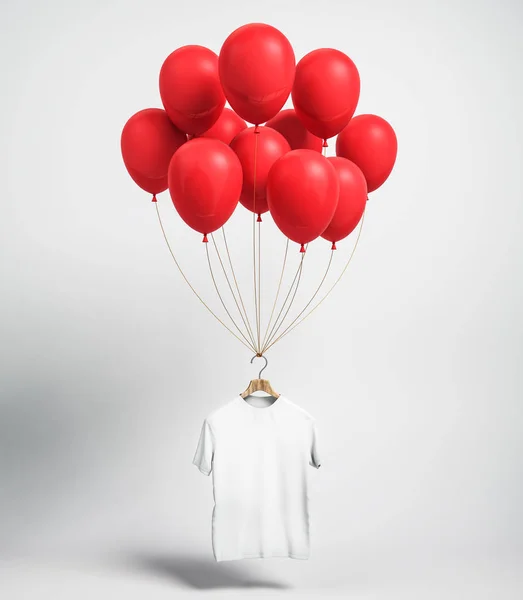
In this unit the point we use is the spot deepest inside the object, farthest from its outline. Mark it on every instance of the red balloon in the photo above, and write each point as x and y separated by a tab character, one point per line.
369	142
257	66
326	91
228	125
190	88
302	193
294	131
351	202
205	181
148	142
257	153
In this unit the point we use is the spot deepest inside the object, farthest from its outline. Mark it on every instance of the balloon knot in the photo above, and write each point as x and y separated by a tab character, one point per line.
205	238
259	354
154	198
256	129
367	198
325	145
259	219
302	249
333	247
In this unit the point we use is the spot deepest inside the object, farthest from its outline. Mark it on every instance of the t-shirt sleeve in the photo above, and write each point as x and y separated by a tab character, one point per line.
315	455
203	456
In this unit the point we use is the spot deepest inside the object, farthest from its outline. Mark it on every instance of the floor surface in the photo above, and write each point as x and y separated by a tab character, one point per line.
162	575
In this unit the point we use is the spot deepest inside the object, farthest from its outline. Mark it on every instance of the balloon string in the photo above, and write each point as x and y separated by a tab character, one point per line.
251	335
259	286
221	299
292	299
298	273
330	290
189	284
277	293
313	296
230	287
258	220
254	239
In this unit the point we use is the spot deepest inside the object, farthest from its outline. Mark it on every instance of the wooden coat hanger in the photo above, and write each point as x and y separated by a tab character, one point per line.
260	384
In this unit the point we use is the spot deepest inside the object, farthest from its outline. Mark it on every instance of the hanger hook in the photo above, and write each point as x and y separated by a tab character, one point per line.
264	358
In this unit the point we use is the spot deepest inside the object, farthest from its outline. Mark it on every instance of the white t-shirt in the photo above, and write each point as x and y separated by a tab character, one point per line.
259	457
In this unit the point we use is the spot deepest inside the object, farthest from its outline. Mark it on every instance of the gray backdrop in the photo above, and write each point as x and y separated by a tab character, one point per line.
412	366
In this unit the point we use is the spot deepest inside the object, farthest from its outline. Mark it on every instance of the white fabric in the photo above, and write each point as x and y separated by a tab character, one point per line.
259	458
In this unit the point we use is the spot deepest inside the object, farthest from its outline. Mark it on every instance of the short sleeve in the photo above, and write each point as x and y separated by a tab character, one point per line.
315	456
203	456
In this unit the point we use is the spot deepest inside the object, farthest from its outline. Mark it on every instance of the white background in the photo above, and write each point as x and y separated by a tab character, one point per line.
412	366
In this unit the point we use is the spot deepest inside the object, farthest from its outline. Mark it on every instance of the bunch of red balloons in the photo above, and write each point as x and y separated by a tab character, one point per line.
211	160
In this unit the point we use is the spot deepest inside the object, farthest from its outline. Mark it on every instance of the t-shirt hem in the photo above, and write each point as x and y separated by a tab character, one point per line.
264	555
201	469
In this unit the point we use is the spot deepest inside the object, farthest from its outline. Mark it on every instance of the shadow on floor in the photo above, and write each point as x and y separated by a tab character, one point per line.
197	572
